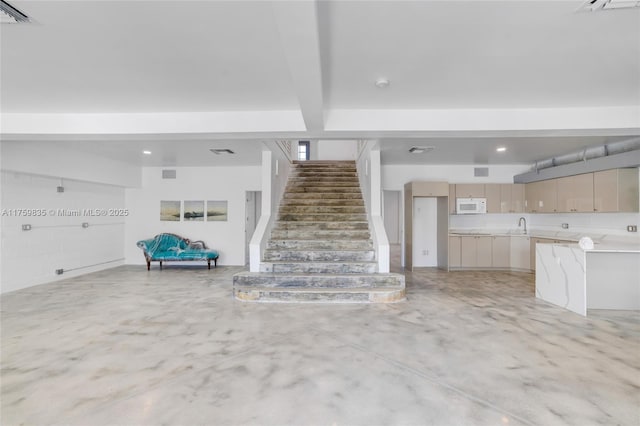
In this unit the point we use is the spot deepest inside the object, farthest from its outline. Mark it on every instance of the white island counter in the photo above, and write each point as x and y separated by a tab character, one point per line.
606	277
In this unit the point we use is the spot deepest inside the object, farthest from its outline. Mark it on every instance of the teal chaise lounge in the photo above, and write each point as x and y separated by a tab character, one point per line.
171	247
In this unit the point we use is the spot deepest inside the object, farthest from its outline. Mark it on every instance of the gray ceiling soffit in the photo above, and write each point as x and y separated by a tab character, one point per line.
622	160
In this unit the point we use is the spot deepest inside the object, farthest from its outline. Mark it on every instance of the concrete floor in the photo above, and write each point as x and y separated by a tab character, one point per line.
171	347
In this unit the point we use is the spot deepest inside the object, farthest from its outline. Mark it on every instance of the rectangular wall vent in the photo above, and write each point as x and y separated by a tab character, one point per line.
168	174
481	171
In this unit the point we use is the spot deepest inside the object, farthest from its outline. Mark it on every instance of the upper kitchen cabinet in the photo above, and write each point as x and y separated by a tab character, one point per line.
511	198
616	190
493	195
452	199
430	189
575	193
470	190
541	196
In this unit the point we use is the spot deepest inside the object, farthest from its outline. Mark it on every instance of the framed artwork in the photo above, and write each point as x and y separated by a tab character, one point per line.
193	211
170	211
216	211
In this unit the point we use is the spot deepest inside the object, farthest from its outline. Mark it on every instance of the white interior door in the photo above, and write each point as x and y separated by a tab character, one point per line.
253	210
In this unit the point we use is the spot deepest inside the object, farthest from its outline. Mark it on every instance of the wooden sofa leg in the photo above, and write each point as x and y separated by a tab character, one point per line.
209	263
215	261
148	265
161	264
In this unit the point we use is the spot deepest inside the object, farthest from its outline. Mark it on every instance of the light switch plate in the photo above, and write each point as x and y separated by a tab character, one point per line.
565	226
632	228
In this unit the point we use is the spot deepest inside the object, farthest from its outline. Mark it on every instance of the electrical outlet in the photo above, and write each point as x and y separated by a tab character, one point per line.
565	226
26	227
85	224
59	271
632	228
425	252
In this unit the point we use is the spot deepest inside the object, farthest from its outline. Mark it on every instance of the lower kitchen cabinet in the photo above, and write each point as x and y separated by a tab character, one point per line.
454	252
500	252
520	253
475	251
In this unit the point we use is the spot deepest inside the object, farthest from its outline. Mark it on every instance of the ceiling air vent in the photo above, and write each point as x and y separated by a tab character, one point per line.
481	171
598	5
11	15
221	151
421	149
168	174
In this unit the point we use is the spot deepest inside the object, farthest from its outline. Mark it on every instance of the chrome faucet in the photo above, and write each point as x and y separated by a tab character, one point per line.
522	219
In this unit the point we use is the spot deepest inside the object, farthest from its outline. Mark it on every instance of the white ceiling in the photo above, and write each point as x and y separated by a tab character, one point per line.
318	59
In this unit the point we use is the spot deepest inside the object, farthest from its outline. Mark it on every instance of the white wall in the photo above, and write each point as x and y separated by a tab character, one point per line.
425	231
57	241
192	183
336	150
55	160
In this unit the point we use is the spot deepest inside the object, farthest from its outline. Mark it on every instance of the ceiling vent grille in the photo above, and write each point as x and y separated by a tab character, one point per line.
11	15
599	5
222	151
168	174
481	171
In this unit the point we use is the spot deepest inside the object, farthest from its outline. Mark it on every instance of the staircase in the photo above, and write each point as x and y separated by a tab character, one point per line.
320	248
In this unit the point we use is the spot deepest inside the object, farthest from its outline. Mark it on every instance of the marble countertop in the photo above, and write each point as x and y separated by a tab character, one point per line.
603	242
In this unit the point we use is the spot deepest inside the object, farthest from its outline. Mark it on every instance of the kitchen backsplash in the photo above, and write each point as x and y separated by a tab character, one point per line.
596	223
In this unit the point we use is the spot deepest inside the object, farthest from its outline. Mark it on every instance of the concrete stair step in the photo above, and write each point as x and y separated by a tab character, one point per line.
317	177
319	288
326	195
316	184
319	163
356	202
307	244
337	234
319	295
323	217
318	255
319	267
321	226
314	209
322	173
273	280
355	189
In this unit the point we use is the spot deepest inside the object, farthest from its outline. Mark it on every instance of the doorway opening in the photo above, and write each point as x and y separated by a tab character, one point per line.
253	211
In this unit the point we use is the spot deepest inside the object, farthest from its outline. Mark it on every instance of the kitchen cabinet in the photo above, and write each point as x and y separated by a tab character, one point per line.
615	190
501	251
512	198
493	194
575	193
452	199
520	253
470	190
430	189
542	196
475	251
454	252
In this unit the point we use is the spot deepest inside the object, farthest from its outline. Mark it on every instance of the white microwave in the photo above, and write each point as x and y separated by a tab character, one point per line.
471	205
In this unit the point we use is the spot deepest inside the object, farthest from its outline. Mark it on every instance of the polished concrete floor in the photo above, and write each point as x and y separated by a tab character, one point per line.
171	347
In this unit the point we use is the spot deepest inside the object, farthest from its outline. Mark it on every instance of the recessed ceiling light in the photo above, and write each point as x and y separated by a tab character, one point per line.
221	151
421	149
145	152
382	82
501	149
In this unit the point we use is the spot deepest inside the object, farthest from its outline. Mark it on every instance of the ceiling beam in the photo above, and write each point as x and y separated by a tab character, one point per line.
298	27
